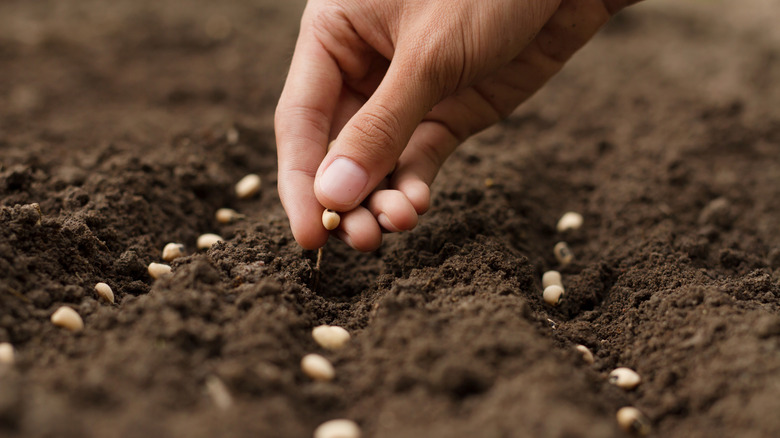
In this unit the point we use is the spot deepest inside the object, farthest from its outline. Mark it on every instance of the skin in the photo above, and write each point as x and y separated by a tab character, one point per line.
399	84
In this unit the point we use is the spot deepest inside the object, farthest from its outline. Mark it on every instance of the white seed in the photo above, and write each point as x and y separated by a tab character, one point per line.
330	337
228	215
104	291
219	393
157	270
172	251
552	295
7	354
625	378
338	429
248	186
632	420
330	219
206	241
232	136
563	254
569	221
551	278
67	318
317	367
587	356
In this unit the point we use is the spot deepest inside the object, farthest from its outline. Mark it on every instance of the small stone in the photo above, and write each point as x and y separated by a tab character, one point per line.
625	378
66	317
563	254
206	241
338	429
569	221
633	421
317	367
586	354
104	291
248	186
228	215
172	251
7	353
551	278
552	295
330	337
158	270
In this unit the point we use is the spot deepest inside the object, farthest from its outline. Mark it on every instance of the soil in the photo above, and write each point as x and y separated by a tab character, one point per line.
120	118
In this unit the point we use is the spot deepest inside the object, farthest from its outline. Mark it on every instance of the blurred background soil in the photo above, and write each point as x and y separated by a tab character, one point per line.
120	118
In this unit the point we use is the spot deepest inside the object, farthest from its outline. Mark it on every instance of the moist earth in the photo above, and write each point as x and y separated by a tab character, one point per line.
129	122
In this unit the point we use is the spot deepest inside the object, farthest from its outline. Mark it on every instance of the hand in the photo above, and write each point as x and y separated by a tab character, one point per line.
400	83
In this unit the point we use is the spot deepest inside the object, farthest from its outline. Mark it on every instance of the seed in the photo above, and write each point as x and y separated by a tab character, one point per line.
104	291
338	429
157	270
67	318
330	219
330	145
625	378
232	135
317	367
569	221
330	337
632	420
248	186
7	354
587	356
219	393
206	241
552	295
228	215
563	253
172	251
551	278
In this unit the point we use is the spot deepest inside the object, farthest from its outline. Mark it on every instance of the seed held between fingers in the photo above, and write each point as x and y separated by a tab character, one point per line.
158	270
330	219
104	291
172	251
7	354
552	295
317	367
625	378
563	254
632	420
338	429
569	221
586	354
551	278
330	337
248	186
206	241
67	318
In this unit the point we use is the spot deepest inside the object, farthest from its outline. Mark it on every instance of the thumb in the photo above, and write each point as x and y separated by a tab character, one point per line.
369	145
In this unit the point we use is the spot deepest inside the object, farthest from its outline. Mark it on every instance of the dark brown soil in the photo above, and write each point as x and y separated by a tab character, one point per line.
664	133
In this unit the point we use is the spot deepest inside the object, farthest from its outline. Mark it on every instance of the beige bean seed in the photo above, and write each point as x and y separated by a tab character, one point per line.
219	393
317	367
338	429
330	337
7	353
206	241
66	317
563	254
625	378
586	354
248	186
569	221
551	278
228	215
172	251
632	420
104	291
158	270
552	295
232	136
330	219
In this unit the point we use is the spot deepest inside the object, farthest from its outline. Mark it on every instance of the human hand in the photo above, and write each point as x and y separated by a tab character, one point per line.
400	83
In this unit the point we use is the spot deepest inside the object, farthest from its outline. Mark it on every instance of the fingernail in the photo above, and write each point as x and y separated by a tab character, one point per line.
345	238
343	181
384	221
